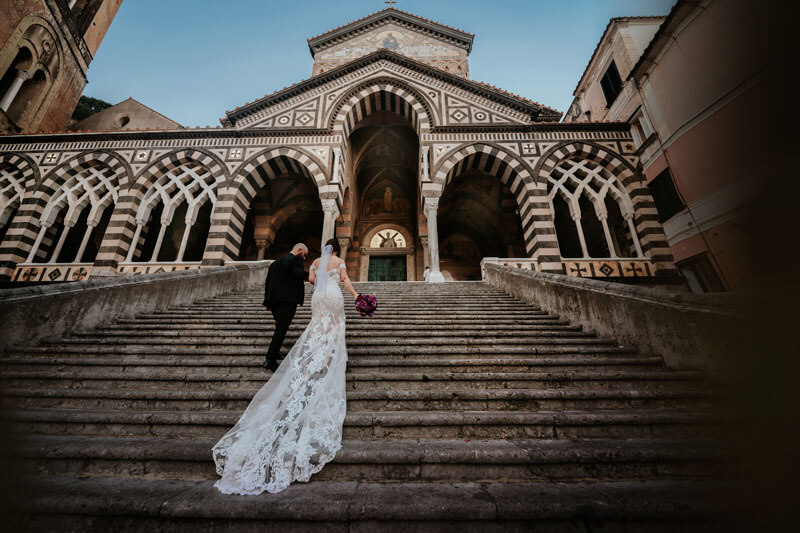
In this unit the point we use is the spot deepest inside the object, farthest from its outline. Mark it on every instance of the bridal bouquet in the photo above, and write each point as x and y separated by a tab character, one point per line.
366	304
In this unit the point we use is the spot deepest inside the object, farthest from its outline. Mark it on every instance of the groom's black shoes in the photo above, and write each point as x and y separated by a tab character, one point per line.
270	364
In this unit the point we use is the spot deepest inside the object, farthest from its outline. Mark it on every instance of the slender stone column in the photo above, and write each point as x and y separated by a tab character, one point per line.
13	90
579	227
331	211
344	244
431	209
159	240
60	244
38	242
337	155
425	172
184	240
426	258
262	243
607	232
634	236
134	241
89	229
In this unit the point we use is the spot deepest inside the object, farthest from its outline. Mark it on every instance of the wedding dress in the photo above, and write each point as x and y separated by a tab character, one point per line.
293	425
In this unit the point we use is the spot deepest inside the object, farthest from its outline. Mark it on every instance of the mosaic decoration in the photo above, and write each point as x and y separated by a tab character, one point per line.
585	268
155	268
610	268
52	273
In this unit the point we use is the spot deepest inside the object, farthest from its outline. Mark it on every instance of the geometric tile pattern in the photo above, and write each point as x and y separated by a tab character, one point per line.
611	268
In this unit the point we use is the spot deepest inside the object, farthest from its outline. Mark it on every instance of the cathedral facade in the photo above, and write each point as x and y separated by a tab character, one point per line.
389	147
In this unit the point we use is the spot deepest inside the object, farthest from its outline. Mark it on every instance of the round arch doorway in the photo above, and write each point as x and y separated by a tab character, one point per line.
389	254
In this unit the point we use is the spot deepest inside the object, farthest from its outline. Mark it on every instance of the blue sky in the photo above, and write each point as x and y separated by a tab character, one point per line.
193	59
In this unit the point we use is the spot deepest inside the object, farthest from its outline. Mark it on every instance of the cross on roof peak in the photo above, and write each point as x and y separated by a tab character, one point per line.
390	3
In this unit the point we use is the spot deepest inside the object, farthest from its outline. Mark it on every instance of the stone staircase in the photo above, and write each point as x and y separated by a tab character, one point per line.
465	407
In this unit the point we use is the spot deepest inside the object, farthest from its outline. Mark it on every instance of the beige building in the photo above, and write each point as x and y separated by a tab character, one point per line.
46	48
129	114
685	84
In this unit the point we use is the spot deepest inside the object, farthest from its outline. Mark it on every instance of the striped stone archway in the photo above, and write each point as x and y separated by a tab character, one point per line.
230	215
381	94
26	225
530	194
651	234
122	228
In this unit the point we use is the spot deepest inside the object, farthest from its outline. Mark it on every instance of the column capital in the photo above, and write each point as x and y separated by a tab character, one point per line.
330	207
431	204
344	242
24	74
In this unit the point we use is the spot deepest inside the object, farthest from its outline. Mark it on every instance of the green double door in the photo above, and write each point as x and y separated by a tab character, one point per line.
388	268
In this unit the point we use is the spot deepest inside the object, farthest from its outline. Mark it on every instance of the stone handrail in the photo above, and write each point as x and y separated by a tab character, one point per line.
28	314
709	332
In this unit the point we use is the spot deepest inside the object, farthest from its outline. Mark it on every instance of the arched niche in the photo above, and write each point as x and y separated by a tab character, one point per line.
382	244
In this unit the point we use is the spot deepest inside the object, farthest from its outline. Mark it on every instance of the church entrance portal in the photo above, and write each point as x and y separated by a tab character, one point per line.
390	268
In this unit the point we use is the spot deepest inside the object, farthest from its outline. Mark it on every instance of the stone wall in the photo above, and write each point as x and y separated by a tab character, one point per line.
32	313
709	332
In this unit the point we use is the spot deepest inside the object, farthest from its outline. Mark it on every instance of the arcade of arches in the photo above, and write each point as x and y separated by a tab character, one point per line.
418	172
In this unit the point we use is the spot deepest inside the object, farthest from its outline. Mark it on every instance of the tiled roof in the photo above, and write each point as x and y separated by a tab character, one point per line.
507	93
611	22
389	10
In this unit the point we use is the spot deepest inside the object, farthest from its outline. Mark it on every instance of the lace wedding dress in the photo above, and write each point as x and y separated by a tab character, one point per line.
293	425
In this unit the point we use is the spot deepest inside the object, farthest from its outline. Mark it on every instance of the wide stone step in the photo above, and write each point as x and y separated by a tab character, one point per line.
523	460
456	321
369	400
210	365
387	380
59	503
353	340
449	330
432	349
350	315
509	308
383	424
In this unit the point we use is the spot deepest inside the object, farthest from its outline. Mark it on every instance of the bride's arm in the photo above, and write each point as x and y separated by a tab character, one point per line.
312	272
346	282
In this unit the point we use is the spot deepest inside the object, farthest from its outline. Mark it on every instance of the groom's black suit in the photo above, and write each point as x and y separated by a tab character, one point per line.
283	292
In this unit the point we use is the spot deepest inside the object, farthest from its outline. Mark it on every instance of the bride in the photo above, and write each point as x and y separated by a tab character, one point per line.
293	425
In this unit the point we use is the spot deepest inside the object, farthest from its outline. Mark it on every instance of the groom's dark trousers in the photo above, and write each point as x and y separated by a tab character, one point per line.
283	292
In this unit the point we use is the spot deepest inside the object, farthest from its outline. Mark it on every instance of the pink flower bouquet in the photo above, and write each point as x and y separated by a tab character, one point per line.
366	304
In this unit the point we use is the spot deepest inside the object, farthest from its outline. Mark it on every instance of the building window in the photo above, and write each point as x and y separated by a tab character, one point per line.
641	129
700	275
611	83
665	195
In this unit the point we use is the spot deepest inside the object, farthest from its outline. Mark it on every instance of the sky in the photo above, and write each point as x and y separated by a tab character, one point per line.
192	60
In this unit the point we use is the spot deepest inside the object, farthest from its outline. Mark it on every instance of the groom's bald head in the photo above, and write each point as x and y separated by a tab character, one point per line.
300	249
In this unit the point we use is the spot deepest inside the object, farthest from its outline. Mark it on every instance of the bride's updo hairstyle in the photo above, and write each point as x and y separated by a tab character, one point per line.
334	243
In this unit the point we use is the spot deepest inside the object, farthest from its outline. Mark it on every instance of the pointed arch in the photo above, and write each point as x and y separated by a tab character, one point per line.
633	197
378	94
537	221
18	177
91	179
181	168
228	221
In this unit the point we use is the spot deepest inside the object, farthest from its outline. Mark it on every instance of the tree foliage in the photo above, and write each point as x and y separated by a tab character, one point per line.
88	106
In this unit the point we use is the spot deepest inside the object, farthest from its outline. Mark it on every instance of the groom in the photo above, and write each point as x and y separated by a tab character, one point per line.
283	292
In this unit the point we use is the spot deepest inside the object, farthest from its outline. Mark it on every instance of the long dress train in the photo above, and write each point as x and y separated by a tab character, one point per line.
293	425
